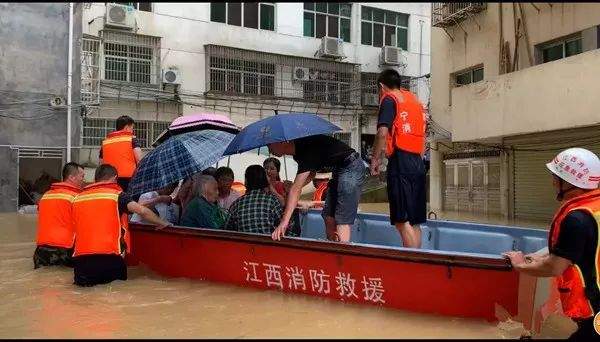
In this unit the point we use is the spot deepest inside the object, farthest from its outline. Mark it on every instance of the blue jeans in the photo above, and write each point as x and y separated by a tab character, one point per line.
344	190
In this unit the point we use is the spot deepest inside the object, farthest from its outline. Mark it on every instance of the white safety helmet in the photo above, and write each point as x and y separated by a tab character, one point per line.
578	167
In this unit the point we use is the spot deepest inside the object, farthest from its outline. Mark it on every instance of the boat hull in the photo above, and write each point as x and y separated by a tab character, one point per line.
413	280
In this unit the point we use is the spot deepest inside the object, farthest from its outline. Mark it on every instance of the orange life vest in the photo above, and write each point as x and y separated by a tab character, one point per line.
117	150
408	129
99	229
572	283
55	220
320	191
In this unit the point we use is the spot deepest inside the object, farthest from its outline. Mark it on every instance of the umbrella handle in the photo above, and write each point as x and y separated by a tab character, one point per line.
228	160
285	168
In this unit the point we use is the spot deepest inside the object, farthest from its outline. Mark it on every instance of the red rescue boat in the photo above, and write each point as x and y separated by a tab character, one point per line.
446	277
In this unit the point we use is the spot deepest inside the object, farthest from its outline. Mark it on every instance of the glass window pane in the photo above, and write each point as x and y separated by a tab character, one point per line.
552	53
217	12
267	17
477	75
402	19
333	8
234	13
378	15
366	33
366	13
402	37
390	35
145	6
377	35
309	6
573	47
251	14
309	24
390	17
345	30
321	30
345	10
332	26
464	78
321	7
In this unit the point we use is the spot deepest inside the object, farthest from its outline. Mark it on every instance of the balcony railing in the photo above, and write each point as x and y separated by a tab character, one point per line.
446	14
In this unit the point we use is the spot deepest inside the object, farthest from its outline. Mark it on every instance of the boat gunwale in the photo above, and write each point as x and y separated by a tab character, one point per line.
354	249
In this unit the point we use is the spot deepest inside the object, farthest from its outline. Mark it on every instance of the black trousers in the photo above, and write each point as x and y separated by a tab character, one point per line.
90	270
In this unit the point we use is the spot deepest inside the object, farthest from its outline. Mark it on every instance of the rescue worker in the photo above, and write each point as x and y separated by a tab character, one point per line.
573	247
101	229
401	135
121	149
55	235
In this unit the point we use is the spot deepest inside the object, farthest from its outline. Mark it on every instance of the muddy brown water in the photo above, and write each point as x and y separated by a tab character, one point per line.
43	303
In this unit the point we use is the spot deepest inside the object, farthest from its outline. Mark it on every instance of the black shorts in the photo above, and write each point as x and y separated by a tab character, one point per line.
90	270
52	256
406	188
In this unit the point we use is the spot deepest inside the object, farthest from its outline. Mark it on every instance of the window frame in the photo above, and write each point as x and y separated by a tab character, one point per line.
272	4
243	74
128	60
339	17
471	72
371	22
136	5
560	42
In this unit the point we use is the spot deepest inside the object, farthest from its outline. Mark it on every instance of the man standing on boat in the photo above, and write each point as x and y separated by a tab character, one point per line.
401	135
121	149
312	154
573	257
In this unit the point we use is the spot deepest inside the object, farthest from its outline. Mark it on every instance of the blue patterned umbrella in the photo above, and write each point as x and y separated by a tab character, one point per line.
177	158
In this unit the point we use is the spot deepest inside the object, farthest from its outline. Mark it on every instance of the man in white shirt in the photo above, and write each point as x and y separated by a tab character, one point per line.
227	195
161	201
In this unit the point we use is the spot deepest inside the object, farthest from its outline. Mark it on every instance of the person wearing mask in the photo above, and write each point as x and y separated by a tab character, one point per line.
572	256
121	149
100	219
312	154
227	195
272	167
258	210
401	135
56	235
203	210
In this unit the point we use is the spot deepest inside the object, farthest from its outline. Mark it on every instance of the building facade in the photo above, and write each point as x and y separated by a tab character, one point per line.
34	67
157	61
512	85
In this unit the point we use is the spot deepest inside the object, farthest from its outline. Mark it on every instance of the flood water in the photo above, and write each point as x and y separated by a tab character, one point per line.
43	303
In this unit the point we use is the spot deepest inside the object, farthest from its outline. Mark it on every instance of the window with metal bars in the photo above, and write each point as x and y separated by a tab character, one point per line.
131	58
328	86
95	131
236	76
327	19
248	14
380	27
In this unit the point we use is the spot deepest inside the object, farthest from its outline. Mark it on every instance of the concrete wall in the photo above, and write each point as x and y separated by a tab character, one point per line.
33	68
481	45
557	95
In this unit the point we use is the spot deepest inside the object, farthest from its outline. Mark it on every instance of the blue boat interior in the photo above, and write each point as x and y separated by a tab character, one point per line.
437	236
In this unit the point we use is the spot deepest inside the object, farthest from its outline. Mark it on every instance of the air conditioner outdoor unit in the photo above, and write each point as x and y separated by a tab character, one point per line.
391	55
370	100
301	74
331	48
171	76
120	16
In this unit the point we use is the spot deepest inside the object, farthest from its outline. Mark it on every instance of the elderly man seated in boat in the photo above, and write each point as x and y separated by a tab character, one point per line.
203	210
259	210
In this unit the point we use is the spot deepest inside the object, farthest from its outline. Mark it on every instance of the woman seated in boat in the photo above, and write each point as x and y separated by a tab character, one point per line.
272	167
259	210
203	210
227	195
185	192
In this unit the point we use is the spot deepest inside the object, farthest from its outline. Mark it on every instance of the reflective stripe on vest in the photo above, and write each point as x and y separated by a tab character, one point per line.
117	150
572	283
408	129
98	226
55	220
